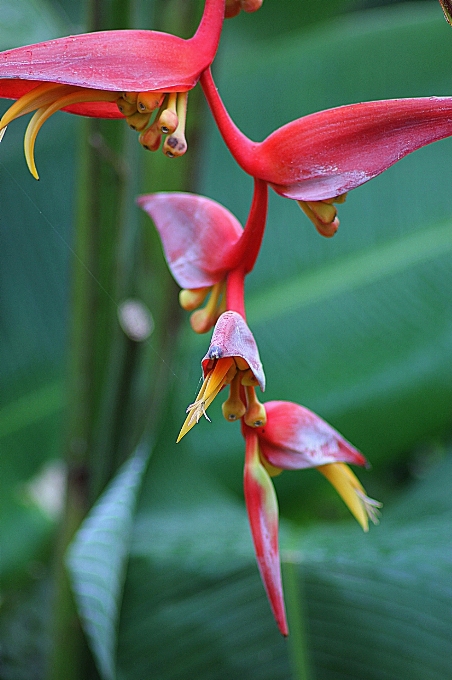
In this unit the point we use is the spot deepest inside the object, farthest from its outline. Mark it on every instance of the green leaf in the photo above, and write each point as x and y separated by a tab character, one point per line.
379	604
34	232
97	561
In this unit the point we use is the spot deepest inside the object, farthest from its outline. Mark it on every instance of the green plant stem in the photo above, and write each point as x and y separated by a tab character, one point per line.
107	393
103	181
296	614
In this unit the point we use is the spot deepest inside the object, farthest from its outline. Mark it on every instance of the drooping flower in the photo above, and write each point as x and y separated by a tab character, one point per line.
234	7
317	159
206	249
232	359
112	74
294	438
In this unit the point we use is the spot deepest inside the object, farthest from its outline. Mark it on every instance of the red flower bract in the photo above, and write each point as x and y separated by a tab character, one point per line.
232	338
295	438
120	61
197	236
331	152
208	252
325	154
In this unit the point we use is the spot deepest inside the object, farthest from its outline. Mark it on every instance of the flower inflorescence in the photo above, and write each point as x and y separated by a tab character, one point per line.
314	160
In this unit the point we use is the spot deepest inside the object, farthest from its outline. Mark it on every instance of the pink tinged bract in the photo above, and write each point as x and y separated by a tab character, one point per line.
331	152
197	236
295	438
262	508
326	154
123	60
232	338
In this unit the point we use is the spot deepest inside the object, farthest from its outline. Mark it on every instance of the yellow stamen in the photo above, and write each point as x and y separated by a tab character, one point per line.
255	415
176	145
125	107
138	121
352	493
211	386
234	408
242	364
149	101
43	113
323	214
337	199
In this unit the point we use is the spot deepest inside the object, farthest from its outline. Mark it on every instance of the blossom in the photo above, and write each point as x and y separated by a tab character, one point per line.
317	159
207	250
112	74
232	359
294	438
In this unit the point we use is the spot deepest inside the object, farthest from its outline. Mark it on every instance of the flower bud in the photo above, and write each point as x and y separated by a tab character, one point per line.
149	101
203	320
192	299
151	138
138	121
232	9
130	97
234	408
175	145
125	107
251	5
248	379
255	415
168	121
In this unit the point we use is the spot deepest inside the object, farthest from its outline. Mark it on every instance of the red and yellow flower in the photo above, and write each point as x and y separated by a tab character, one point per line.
317	159
142	76
294	438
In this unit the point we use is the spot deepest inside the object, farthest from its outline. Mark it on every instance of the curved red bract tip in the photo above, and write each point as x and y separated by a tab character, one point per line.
232	338
295	438
331	152
262	508
120	60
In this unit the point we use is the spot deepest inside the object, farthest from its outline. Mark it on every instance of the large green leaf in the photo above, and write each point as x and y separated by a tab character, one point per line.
380	605
97	560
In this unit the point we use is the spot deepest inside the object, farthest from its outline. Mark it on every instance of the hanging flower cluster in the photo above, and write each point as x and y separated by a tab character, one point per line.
145	77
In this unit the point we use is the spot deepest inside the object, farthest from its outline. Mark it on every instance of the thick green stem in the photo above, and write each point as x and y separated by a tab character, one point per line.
99	234
296	613
115	386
